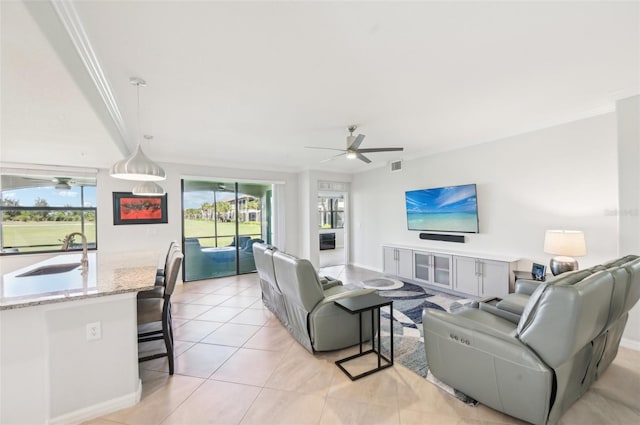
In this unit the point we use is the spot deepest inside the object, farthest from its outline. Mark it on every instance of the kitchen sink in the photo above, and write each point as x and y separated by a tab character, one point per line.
52	269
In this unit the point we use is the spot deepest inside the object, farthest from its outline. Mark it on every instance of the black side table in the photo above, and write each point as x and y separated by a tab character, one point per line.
361	304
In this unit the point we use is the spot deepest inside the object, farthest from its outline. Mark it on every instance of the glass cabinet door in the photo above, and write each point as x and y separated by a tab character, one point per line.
441	269
422	263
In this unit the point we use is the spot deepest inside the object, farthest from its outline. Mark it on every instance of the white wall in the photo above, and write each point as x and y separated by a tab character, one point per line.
629	189
564	177
567	177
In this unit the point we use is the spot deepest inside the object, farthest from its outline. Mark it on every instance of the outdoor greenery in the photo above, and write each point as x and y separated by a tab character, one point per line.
202	229
223	209
41	212
41	228
39	234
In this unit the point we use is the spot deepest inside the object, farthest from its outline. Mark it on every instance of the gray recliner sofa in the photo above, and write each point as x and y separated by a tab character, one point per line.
293	291
537	368
271	293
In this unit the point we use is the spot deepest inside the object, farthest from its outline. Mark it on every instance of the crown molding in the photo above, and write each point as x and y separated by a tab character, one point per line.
73	25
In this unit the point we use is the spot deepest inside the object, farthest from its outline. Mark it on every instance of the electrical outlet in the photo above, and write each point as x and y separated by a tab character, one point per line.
94	331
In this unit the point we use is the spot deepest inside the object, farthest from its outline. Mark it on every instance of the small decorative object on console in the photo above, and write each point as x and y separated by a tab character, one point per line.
538	271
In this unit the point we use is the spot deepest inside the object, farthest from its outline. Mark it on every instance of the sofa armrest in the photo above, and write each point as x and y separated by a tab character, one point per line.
331	327
471	320
328	282
526	286
338	293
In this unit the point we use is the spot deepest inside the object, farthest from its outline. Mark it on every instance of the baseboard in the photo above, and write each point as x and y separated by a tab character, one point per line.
100	409
630	343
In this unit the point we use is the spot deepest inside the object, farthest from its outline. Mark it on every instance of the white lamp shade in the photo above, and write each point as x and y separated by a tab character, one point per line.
570	243
137	167
148	189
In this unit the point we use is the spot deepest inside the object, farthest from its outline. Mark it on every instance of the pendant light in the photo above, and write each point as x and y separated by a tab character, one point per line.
138	166
148	188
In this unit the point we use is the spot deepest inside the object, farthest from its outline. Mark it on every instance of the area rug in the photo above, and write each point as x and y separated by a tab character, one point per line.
408	336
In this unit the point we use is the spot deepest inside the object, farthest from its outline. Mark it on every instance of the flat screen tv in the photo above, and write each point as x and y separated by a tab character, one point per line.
443	209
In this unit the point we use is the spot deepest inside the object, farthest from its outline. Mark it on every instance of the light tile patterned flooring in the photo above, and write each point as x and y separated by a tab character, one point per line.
236	364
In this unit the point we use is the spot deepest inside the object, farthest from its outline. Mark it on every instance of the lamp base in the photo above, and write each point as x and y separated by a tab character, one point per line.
560	265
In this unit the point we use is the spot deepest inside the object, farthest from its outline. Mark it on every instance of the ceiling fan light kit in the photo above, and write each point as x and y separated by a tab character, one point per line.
138	166
62	183
353	150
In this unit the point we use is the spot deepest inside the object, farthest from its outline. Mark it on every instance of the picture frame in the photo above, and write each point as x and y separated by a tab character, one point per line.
538	271
134	209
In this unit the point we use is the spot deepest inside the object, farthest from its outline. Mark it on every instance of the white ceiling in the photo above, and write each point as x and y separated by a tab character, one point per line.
250	84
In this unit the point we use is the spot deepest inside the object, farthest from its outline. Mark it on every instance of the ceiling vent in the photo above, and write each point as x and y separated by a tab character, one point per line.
395	165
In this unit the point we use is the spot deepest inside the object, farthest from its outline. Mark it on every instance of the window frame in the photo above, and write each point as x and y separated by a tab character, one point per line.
331	212
82	209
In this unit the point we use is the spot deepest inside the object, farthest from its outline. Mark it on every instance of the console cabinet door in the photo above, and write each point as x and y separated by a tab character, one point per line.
494	278
434	269
422	264
442	269
405	263
390	264
465	275
398	262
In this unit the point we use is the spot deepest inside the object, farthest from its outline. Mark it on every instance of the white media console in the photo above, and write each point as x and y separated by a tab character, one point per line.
475	274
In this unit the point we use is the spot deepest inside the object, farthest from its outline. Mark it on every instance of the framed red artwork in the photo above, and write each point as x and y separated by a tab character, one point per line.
133	209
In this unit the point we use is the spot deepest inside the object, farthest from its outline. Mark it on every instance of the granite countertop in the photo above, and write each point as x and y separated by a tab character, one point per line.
107	274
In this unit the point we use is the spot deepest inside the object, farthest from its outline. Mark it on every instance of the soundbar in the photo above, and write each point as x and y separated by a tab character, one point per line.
445	238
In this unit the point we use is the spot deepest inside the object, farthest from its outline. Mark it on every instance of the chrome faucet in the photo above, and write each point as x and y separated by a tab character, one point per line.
67	242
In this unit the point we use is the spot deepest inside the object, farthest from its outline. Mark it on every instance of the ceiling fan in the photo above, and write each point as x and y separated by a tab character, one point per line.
63	183
353	147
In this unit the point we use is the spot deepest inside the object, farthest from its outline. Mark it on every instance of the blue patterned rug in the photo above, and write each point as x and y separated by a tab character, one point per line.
408	335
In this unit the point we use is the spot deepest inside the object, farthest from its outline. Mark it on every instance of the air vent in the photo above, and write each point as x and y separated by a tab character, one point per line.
396	165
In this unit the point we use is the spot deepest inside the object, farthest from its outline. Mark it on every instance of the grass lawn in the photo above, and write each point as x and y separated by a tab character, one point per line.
42	233
203	229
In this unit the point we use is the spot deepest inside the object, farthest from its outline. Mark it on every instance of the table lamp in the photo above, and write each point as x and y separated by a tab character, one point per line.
565	244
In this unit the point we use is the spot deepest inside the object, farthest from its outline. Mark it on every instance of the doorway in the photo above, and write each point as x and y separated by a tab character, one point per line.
221	220
331	232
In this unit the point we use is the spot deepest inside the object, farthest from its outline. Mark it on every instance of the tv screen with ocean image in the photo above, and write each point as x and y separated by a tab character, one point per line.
443	209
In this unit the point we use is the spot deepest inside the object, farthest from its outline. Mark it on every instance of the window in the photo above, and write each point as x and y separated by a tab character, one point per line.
331	212
39	210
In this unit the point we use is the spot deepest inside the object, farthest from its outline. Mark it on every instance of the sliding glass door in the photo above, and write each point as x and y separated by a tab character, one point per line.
220	223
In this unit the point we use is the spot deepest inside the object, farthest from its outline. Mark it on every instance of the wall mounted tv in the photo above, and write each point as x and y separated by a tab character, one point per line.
443	209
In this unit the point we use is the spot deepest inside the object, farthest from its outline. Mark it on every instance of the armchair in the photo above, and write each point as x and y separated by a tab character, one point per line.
535	369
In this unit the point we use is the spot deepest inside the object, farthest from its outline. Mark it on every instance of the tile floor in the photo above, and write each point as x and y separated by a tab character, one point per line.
236	364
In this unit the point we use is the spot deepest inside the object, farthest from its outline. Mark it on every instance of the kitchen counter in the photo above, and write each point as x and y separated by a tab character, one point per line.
106	275
59	371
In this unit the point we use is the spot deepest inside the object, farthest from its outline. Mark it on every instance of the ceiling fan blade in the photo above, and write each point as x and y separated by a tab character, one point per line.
357	142
363	158
369	150
332	158
330	149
